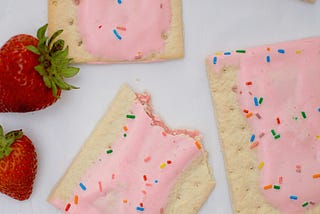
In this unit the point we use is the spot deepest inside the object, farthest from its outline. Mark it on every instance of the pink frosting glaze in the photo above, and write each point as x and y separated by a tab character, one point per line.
136	174
285	78
122	29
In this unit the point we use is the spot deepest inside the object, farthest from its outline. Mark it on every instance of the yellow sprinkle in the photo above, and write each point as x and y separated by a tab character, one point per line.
298	51
76	199
198	145
163	165
261	164
218	54
318	137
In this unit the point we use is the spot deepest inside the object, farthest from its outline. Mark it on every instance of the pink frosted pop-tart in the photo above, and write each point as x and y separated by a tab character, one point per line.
267	105
114	31
133	163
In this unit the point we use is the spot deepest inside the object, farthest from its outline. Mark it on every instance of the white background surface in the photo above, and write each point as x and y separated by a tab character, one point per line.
179	88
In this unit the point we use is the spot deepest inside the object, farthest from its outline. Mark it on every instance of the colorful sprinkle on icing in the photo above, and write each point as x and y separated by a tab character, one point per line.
140	208
267	187
241	51
119	1
67	207
261	164
303	114
109	151
115	32
305	204
76	199
254	145
281	51
268	59
163	165
227	53
83	187
198	145
277	187
215	59
316	175
256	102
131	116
253	136
293	197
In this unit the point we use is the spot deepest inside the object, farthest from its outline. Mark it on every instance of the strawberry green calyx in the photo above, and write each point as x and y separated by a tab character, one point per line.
53	61
6	140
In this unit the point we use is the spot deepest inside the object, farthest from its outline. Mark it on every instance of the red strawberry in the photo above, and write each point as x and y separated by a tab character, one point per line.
32	72
18	164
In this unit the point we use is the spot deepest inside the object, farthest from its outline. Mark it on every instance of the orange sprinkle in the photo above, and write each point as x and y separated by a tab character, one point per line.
268	49
76	199
249	115
125	201
267	187
316	176
198	145
125	128
254	145
121	28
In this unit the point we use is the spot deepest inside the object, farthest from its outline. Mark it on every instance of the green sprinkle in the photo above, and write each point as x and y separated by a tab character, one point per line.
277	136
305	204
109	151
124	135
273	132
260	100
295	118
241	51
131	116
276	187
303	114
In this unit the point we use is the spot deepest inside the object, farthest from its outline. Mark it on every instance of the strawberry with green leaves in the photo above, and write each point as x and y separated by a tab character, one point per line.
32	71
18	164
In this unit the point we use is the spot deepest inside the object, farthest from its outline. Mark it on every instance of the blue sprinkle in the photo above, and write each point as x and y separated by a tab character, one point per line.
293	197
281	51
252	138
156	181
140	208
268	58
119	1
215	59
227	53
83	187
115	32
256	101
318	109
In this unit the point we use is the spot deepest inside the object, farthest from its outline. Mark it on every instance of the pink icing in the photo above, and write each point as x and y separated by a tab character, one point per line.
122	29
139	173
286	76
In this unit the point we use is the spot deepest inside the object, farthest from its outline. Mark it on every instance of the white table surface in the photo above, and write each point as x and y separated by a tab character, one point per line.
179	88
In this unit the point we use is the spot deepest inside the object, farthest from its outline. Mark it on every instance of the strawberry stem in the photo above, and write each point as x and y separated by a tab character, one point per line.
6	140
53	61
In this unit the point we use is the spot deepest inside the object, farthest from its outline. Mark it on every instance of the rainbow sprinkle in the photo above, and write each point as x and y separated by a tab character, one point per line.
316	176
256	102
267	187
305	204
115	32
67	207
254	145
215	59
140	208
303	114
261	164
198	145
241	51
109	151
277	187
76	199
163	165
83	187
227	53
119	1
282	51
252	137
293	197
131	116
268	59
